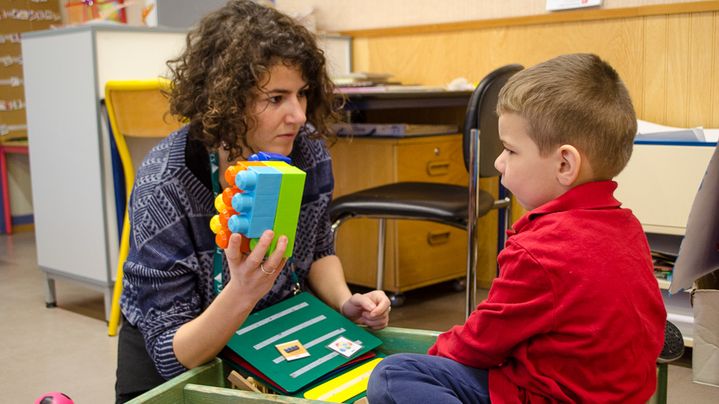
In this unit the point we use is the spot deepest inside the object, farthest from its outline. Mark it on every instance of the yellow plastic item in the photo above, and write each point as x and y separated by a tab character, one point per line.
215	224
135	109
219	203
345	386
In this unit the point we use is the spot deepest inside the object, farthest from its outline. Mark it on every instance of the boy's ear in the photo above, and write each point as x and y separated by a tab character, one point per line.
570	165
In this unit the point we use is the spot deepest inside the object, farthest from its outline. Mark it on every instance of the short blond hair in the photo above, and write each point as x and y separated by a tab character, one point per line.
575	99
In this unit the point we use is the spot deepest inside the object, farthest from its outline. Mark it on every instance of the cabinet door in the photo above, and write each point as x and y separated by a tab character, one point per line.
429	252
360	163
435	159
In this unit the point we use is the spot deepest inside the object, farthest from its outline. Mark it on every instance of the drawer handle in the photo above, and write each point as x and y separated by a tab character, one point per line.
435	168
437	238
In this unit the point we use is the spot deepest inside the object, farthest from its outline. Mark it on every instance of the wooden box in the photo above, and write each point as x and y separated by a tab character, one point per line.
208	383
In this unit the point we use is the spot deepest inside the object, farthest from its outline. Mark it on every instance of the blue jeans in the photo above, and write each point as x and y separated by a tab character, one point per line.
417	378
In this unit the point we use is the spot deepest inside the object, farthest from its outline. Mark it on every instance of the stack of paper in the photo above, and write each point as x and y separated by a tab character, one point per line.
391	129
653	132
361	79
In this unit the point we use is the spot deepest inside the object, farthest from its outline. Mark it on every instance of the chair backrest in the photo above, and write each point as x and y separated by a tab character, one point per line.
138	114
481	115
139	118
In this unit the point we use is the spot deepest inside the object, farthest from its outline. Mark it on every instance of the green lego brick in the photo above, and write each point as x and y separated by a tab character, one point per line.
288	204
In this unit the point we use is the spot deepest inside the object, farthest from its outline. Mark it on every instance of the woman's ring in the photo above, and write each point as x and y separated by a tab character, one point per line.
262	268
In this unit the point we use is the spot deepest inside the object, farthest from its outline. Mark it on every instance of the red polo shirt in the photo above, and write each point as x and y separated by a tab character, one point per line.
575	315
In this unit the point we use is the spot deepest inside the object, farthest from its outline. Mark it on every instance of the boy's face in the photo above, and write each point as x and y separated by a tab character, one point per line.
532	178
279	110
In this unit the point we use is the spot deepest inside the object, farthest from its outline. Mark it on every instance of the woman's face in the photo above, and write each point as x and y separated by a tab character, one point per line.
278	110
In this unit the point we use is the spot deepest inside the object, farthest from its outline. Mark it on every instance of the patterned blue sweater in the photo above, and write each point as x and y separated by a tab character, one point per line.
168	273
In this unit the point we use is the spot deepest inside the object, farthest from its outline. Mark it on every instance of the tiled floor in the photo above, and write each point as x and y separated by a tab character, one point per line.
67	348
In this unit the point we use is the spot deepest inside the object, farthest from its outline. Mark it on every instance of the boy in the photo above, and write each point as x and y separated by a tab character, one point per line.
576	314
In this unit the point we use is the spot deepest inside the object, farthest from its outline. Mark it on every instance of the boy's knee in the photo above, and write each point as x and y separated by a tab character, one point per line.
378	390
376	386
377	383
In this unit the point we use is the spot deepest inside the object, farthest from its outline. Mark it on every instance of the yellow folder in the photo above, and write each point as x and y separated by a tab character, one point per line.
344	386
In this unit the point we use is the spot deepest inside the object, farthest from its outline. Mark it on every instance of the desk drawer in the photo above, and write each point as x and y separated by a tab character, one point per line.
437	161
432	253
417	253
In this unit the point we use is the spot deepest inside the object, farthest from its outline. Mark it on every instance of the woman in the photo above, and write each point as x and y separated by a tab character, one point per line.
250	79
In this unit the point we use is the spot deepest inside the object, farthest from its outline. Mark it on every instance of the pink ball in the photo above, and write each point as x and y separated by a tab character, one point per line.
54	397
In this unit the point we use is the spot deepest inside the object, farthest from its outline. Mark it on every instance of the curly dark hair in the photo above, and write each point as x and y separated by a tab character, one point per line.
226	55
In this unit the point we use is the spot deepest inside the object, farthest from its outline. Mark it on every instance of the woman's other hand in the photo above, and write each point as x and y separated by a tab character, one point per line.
370	309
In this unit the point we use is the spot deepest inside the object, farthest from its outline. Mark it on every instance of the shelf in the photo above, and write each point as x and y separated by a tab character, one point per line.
663	284
406	99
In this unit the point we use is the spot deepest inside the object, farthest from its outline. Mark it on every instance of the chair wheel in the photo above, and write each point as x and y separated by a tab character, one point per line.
397	299
459	285
673	344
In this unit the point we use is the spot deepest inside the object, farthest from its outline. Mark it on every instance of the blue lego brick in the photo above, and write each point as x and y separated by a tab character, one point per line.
257	204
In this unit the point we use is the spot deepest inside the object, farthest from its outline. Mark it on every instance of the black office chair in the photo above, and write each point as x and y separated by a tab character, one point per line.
452	205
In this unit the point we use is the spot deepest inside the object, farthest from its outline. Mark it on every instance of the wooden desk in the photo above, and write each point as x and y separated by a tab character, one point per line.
417	253
18	147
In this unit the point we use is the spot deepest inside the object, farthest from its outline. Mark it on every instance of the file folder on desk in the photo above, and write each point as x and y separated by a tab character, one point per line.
304	318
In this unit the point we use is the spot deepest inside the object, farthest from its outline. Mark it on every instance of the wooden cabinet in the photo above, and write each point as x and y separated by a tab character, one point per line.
417	253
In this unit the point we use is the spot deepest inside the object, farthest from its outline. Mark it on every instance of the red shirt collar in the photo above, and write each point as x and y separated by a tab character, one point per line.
590	195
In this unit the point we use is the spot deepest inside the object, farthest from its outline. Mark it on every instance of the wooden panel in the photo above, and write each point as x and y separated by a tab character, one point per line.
435	59
700	69
492	14
357	238
677	69
357	249
376	166
668	62
655	64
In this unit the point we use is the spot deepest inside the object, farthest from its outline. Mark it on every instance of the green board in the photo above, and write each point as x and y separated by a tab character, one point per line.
314	324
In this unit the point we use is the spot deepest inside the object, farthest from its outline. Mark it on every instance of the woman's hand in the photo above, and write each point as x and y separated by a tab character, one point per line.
249	272
370	309
201	339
